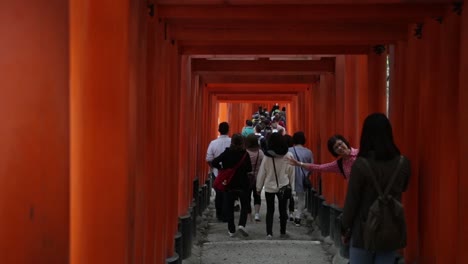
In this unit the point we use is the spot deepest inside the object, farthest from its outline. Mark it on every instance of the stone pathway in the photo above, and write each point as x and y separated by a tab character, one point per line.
214	246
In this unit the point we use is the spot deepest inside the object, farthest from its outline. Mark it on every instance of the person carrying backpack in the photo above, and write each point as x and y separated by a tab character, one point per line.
373	220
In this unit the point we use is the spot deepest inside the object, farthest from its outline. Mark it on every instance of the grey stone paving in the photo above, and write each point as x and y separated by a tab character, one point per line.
214	246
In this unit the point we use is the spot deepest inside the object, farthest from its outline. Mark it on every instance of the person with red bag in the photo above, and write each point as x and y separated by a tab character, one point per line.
239	185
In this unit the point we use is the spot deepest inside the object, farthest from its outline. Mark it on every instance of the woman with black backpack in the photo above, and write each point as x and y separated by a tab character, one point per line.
373	220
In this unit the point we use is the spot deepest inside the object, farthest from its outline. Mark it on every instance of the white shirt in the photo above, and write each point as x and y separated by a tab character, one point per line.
217	147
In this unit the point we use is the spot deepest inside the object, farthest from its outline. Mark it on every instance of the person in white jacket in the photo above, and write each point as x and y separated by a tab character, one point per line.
274	173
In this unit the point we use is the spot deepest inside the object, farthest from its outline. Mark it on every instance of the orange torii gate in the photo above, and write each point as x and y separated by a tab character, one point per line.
98	164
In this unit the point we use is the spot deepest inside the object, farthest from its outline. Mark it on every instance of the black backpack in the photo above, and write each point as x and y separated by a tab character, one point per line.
385	226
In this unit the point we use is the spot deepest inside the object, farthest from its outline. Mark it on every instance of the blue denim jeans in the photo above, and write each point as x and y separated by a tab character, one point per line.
362	256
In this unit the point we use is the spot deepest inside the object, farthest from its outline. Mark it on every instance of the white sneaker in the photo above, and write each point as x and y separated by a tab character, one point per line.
231	234
257	217
269	237
243	231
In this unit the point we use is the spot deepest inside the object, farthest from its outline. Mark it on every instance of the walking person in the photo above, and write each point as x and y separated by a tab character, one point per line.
215	148
274	174
291	202
239	187
256	157
302	154
379	167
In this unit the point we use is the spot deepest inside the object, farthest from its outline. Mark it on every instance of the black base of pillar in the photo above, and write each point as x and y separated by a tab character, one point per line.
204	196
174	259
193	213
318	199
208	191
200	201
331	221
187	237
179	247
324	218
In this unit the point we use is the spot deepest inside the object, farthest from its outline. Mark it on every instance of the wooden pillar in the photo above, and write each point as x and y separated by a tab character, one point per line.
34	153
138	136
326	102
100	120
447	138
186	170
166	153
377	82
462	253
417	242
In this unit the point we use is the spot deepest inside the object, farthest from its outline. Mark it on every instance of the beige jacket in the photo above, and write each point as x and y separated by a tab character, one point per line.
266	174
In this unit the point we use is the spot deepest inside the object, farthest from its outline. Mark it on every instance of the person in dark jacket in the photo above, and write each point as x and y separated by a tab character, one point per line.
378	148
239	186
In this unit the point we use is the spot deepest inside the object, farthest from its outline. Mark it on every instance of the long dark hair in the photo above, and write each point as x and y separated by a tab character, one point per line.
377	138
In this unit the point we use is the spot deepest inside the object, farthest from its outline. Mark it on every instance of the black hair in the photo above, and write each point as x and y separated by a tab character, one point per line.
223	128
258	128
377	138
248	122
331	142
289	140
237	142
299	138
277	143
251	141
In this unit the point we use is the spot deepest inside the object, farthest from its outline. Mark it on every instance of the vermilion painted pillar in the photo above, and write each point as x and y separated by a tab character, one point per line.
447	138
100	121
410	125
166	154
186	170
326	101
397	113
462	253
138	136
377	82
34	129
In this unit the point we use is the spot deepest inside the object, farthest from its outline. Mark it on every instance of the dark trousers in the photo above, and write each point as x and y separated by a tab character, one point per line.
218	202
256	196
291	204
270	201
229	198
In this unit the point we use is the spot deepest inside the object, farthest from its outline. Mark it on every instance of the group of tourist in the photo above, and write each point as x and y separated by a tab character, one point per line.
280	165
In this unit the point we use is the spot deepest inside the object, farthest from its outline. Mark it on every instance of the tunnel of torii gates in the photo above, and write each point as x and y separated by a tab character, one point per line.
108	107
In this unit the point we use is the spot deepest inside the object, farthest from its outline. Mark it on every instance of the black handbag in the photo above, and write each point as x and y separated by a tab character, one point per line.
305	179
284	192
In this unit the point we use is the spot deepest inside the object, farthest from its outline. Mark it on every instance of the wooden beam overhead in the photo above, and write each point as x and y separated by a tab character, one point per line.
232	88
259	79
255	67
249	98
207	48
342	35
404	12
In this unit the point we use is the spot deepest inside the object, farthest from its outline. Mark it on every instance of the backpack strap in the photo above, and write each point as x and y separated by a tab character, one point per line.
297	156
276	175
240	162
390	183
